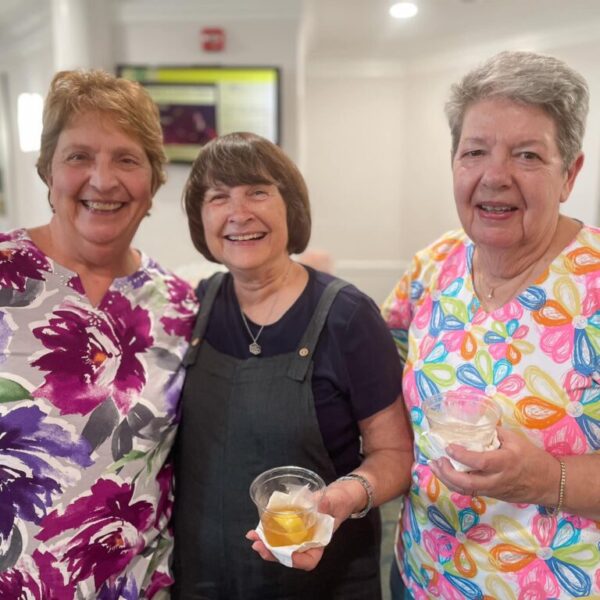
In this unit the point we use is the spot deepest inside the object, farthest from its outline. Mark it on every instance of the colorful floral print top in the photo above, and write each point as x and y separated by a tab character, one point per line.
88	407
539	356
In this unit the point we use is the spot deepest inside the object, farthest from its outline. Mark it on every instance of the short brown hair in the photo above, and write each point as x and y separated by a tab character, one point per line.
246	159
73	93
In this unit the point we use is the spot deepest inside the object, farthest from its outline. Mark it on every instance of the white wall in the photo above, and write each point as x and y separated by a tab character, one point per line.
378	154
355	148
264	33
176	41
370	137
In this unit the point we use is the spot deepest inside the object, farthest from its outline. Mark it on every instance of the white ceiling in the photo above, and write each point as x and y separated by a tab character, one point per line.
362	29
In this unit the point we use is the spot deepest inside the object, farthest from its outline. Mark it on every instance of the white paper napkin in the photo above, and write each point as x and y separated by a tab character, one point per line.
437	448
297	496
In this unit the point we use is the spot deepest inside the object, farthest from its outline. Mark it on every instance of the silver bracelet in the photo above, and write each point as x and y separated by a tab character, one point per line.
368	488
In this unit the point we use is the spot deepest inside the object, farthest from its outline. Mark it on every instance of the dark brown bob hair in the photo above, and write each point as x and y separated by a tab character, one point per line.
247	159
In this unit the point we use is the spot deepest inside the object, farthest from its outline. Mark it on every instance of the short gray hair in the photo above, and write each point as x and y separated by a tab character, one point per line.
527	78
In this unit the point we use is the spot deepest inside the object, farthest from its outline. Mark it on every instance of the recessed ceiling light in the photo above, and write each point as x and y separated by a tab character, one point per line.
403	10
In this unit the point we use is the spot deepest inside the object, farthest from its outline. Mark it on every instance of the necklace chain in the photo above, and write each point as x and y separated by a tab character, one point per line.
520	278
254	347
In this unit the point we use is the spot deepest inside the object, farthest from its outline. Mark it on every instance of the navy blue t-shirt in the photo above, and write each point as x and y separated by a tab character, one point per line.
355	355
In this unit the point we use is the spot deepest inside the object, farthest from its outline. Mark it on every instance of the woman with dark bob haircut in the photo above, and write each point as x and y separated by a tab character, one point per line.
287	366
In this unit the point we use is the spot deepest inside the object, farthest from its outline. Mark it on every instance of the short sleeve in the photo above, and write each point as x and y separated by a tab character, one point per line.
373	366
397	311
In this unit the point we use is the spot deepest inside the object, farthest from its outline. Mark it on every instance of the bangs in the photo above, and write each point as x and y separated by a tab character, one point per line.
237	175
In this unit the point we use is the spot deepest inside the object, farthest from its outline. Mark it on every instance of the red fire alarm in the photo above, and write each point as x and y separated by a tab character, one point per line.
213	39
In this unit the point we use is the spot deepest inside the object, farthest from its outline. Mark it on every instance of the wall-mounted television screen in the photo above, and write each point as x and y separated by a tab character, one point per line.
197	103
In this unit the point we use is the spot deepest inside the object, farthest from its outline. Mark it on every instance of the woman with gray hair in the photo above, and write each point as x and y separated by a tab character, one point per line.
509	307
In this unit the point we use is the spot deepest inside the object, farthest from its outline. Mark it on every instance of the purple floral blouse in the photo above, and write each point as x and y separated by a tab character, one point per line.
88	411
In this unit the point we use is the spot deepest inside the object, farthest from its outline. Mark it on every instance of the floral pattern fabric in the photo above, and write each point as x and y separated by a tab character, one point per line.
539	357
88	412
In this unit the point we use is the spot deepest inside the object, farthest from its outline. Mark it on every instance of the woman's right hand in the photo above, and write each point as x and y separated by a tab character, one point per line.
305	561
333	503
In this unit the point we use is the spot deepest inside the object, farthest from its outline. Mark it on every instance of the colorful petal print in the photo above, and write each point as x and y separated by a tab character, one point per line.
20	260
538	356
398	314
505	340
448	285
93	355
584	260
569	327
461	330
444	581
109	531
533	298
567	427
489	376
465	528
558	564
31	470
430	372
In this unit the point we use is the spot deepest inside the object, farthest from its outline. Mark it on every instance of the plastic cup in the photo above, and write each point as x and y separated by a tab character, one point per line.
287	499
466	419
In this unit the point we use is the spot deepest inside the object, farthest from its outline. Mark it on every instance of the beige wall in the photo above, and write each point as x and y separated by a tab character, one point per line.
370	137
378	155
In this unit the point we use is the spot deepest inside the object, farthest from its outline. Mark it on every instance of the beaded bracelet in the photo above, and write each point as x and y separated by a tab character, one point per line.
561	490
368	488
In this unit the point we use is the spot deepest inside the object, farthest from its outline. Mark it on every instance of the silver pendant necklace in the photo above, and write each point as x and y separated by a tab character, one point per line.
254	347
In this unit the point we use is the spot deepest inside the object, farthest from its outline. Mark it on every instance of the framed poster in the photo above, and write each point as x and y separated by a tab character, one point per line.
197	103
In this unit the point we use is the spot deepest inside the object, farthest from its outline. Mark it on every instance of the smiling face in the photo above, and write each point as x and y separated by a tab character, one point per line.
509	178
245	226
100	186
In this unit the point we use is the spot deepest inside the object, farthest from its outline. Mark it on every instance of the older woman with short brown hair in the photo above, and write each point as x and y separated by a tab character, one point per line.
288	366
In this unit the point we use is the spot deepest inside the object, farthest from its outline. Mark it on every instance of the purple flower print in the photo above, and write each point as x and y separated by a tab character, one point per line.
164	506
121	588
159	581
20	260
45	583
172	394
5	335
30	475
109	531
93	355
181	312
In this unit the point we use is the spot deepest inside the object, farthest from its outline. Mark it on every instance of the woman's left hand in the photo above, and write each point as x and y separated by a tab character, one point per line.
517	472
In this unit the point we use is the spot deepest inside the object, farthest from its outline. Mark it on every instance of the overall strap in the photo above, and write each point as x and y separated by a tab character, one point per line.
303	354
214	283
